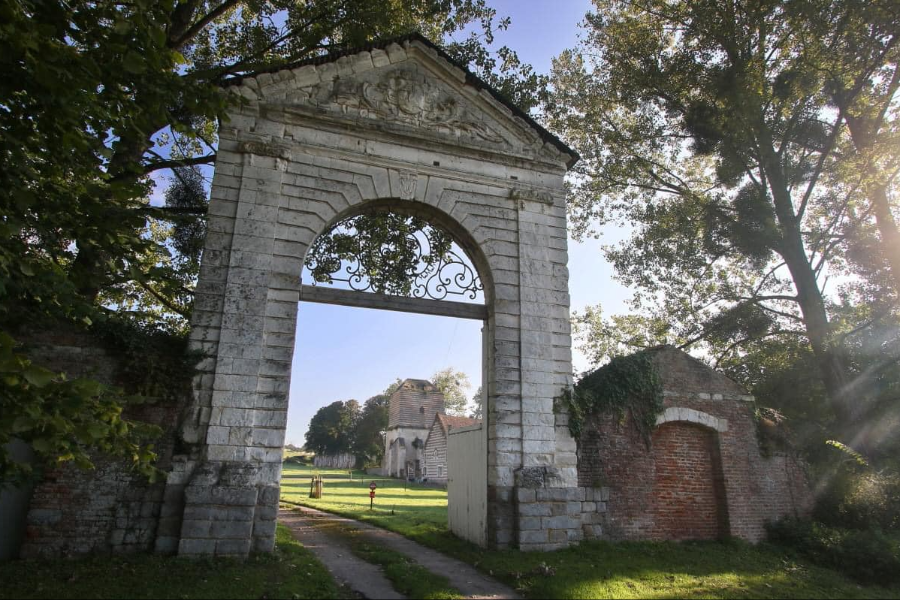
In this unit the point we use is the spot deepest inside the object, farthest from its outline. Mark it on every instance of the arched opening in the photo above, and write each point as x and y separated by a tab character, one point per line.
689	500
407	257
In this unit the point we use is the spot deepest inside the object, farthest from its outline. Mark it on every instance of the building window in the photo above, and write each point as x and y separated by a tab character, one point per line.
440	471
422	410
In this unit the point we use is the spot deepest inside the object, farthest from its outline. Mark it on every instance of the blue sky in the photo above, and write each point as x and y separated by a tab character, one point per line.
344	353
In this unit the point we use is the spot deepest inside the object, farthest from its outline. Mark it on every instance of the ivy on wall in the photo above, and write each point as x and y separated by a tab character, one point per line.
67	420
62	419
627	385
153	363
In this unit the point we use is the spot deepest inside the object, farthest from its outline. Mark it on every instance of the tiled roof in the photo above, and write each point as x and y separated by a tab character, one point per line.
450	422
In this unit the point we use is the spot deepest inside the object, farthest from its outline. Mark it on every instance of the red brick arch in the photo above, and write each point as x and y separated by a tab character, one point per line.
689	500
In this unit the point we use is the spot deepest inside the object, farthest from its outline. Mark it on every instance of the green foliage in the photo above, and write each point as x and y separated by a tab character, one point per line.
188	193
152	363
477	404
603	338
368	437
454	385
866	556
852	454
63	419
772	432
629	386
853	497
331	428
727	137
389	249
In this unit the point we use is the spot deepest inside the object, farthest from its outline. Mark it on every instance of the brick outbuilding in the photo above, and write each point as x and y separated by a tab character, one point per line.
701	475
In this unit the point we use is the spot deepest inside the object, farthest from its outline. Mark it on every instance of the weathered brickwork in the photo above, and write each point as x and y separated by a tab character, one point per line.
110	508
702	476
689	495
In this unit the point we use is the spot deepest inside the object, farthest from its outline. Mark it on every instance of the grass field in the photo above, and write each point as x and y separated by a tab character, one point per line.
592	569
290	572
415	511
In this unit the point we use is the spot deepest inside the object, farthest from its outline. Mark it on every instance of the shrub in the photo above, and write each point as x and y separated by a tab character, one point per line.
860	500
866	556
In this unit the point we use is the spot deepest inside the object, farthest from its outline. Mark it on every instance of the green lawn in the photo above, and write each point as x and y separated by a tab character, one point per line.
592	569
668	570
415	511
290	572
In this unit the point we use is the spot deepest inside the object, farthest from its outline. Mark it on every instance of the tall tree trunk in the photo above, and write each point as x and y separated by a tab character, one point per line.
887	227
829	356
863	132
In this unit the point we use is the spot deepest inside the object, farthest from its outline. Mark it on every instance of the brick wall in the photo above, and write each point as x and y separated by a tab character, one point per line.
689	497
108	509
702	475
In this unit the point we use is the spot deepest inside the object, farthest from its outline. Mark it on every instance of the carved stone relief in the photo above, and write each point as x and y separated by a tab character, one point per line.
402	97
408	183
397	96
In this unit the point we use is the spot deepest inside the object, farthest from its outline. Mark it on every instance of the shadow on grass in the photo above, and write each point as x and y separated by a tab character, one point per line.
290	572
658	570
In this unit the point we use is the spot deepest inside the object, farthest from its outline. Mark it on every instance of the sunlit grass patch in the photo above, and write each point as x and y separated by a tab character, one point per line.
406	508
667	570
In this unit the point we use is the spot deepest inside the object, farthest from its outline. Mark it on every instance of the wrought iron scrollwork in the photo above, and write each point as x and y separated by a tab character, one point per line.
391	253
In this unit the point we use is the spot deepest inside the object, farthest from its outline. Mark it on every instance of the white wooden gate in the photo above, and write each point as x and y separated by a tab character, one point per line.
467	483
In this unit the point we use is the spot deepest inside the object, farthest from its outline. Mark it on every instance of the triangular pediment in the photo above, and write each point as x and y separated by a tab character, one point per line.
406	88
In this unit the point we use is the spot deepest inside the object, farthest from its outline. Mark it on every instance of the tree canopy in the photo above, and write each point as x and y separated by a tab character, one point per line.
331	428
100	101
723	134
455	386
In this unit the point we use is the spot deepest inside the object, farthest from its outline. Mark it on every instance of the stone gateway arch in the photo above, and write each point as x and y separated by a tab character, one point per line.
396	126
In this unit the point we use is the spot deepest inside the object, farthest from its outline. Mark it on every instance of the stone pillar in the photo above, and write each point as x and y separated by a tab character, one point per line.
547	497
230	491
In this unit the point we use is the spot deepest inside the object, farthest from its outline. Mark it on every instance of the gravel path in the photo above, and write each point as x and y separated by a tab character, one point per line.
363	578
461	576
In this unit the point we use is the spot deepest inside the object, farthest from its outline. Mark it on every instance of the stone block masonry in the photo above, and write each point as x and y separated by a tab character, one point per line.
327	140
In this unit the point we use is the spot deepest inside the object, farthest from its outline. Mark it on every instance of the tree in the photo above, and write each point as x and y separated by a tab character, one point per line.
602	339
393	387
331	428
454	385
709	127
858	45
99	97
368	438
478	405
